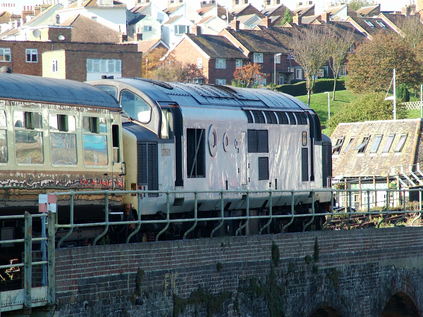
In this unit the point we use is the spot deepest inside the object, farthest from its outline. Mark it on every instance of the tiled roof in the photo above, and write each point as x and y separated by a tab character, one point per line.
365	11
87	30
216	46
275	10
306	10
5	17
350	163
265	40
172	9
245	9
372	25
173	19
147	46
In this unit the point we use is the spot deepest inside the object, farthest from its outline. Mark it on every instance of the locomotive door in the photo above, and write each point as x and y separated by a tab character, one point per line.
242	158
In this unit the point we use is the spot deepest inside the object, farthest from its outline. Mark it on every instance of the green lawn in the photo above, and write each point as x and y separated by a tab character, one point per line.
319	103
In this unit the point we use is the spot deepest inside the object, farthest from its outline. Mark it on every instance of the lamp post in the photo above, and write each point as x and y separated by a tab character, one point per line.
328	92
421	100
274	66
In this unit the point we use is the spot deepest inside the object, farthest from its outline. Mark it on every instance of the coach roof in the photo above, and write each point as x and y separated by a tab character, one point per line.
60	91
193	95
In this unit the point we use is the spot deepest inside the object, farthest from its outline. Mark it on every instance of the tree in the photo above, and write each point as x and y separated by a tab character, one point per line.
357	4
170	69
287	17
311	51
370	106
370	68
339	46
249	75
151	61
412	29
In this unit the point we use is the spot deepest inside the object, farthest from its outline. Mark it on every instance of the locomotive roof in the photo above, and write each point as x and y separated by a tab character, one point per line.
51	90
211	95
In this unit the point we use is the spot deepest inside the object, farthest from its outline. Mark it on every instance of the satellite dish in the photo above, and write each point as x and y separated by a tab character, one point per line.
36	33
61	37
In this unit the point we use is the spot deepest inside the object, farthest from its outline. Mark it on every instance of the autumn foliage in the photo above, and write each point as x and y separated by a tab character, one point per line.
249	75
370	68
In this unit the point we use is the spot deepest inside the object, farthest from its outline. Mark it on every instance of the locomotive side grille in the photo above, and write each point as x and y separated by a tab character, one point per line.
153	175
148	171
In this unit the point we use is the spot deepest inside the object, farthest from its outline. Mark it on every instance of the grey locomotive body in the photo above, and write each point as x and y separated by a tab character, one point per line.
215	138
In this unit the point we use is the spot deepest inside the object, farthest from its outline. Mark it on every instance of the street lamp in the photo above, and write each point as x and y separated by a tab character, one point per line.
328	92
274	66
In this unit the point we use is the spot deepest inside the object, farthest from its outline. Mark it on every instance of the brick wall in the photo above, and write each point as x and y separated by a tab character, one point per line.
353	272
131	58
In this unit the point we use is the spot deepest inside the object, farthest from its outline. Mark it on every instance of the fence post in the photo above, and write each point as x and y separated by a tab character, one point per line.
28	261
51	294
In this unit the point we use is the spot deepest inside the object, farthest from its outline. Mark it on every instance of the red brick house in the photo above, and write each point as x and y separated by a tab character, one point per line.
75	60
214	55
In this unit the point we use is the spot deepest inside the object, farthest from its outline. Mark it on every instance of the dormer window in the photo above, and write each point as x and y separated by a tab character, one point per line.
362	147
369	23
338	146
401	143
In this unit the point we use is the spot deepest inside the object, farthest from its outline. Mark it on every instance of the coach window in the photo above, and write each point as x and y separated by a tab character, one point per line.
62	139
136	107
196	156
3	138
94	141
28	141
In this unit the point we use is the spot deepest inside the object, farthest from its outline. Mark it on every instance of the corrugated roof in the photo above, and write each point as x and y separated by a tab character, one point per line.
191	95
60	91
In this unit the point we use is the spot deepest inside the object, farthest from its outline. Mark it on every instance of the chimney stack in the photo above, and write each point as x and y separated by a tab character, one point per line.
235	24
296	19
325	17
196	30
266	22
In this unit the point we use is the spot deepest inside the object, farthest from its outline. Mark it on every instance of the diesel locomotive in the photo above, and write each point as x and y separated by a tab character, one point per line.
139	134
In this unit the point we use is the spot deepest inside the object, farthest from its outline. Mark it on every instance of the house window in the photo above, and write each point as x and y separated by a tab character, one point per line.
54	66
5	55
147	28
196	153
338	146
376	143
238	63
220	81
31	55
369	23
350	142
220	63
277	58
258	58
401	143
381	24
104	65
362	147
199	62
181	29
388	143
298	73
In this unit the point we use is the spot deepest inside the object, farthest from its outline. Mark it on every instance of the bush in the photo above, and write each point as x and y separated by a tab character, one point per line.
321	85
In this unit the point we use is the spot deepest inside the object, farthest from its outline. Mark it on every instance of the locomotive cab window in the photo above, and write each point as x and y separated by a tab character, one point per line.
136	107
167	124
94	140
196	154
28	142
62	140
3	138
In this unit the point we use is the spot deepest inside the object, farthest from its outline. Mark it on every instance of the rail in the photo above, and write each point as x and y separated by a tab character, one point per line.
30	291
340	203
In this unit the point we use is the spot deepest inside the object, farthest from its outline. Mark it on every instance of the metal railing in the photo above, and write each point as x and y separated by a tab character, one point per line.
21	270
340	203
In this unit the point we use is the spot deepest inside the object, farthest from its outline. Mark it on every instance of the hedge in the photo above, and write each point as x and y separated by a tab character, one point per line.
321	85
